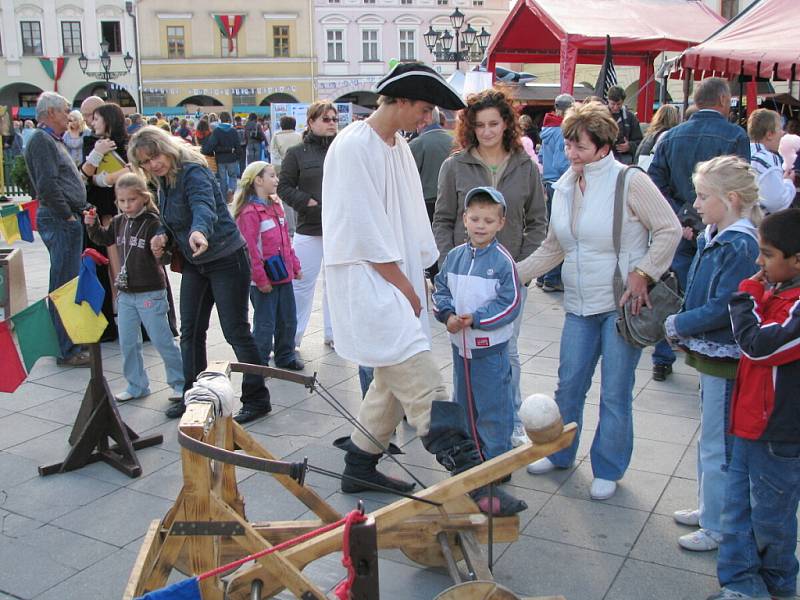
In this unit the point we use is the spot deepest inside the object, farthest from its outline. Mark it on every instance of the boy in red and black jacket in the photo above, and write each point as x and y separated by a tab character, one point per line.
759	522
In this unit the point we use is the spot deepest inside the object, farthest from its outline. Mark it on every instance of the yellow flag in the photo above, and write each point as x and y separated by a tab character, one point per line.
83	326
9	225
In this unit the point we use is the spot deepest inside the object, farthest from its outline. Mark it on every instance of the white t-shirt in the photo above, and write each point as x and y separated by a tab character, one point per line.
374	212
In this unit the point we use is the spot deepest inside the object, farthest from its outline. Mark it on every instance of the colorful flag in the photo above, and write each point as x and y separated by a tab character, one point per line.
12	374
82	324
32	207
25	225
89	287
608	74
9	226
35	333
188	589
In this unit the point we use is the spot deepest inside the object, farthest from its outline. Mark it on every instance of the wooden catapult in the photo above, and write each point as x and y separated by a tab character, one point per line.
207	527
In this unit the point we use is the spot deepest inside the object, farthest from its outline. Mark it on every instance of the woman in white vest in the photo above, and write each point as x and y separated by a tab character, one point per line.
580	234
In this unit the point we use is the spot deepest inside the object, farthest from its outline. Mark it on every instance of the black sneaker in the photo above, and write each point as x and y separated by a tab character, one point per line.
176	410
251	413
295	365
81	359
660	372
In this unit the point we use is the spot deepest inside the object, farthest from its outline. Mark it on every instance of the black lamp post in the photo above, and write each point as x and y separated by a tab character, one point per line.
464	40
105	62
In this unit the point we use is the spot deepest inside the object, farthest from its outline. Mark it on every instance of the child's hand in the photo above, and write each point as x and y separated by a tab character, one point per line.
454	324
759	277
265	289
299	275
466	321
90	216
158	245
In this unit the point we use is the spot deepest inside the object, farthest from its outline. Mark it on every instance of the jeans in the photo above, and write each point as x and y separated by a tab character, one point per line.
492	410
227	173
583	341
663	354
274	316
150	309
226	283
713	448
253	151
759	521
553	276
513	358
365	377
64	242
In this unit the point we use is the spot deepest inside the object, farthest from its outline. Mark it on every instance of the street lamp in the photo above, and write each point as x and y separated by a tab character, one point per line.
105	62
464	40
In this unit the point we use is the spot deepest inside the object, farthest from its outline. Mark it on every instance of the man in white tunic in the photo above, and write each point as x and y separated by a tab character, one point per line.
377	243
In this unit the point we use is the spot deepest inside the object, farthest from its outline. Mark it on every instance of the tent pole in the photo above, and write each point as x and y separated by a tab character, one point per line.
687	76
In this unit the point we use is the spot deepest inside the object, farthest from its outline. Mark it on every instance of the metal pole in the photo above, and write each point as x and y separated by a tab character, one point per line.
458	52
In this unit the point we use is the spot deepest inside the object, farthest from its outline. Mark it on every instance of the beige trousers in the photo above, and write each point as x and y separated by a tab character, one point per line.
407	388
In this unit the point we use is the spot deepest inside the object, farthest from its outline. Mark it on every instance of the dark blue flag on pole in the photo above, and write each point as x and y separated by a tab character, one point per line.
89	286
189	589
608	74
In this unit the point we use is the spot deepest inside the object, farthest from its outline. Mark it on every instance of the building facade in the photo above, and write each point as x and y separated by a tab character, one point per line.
237	54
355	40
42	40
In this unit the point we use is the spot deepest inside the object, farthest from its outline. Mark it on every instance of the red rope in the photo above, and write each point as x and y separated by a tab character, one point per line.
285	545
470	400
342	590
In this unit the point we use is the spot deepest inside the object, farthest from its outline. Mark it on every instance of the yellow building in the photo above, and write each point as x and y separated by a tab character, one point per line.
235	54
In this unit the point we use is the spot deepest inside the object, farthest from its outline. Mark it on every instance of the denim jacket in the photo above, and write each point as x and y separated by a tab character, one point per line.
705	135
195	203
722	261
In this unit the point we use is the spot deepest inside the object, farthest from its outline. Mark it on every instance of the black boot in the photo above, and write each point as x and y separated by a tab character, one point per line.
448	439
360	473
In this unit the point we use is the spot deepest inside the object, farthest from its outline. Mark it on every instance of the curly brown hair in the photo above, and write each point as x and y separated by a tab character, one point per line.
491	98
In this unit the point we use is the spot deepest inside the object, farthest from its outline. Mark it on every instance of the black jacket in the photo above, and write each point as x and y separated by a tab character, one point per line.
223	143
629	129
301	180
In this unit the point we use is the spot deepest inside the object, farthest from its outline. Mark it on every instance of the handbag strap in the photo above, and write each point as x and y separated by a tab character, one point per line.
620	196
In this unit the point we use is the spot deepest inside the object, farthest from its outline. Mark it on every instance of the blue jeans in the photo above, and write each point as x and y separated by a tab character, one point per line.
150	309
253	150
513	358
713	448
274	316
759	521
663	353
492	401
365	377
227	173
226	283
583	341
64	242
553	276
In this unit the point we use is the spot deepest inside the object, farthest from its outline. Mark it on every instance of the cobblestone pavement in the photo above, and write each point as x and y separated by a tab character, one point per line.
75	536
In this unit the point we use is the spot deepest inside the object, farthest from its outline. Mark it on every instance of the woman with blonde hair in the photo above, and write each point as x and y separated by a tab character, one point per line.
216	268
666	117
580	234
73	136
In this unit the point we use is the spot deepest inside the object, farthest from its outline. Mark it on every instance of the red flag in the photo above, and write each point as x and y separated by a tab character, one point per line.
12	374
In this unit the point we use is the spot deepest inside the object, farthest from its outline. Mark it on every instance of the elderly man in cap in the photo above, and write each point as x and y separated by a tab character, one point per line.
377	244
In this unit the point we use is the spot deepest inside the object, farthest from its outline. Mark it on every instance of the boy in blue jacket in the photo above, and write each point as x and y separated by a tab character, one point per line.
478	297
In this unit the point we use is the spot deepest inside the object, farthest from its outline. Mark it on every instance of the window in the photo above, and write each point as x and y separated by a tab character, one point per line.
110	32
280	40
244	97
176	42
333	1
152	99
406	1
369	1
408	50
729	8
228	49
71	37
369	45
441	2
477	2
335	43
31	38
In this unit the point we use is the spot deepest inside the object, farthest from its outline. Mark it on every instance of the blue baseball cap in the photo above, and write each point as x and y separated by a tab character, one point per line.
489	191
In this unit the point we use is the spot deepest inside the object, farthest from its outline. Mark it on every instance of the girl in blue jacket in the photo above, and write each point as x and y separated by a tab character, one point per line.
727	201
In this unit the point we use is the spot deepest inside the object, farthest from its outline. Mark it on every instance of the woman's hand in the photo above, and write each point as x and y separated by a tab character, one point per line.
158	244
197	243
265	289
105	145
636	292
312	202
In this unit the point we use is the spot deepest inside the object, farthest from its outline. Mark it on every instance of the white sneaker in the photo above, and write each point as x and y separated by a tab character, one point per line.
519	437
690	517
702	540
602	489
541	466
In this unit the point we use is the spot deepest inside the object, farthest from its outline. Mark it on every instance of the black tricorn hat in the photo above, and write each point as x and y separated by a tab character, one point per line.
417	81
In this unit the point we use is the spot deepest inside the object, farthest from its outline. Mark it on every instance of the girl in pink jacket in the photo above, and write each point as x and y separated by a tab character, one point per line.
259	214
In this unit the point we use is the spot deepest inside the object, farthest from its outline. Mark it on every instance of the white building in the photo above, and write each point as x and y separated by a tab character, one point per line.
37	35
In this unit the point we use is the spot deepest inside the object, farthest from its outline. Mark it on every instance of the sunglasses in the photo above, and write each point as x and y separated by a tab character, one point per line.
329	119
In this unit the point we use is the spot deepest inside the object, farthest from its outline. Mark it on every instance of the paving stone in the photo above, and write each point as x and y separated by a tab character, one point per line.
658	544
677	383
62	410
45	449
638	489
537	567
687	467
15	470
116	518
18	428
664	428
26	572
104	579
14	526
588	524
680	494
151	459
165	482
661	583
297	422
656	457
28	395
657	401
65	547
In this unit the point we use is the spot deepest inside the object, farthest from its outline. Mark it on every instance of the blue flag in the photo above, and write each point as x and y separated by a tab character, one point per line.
89	287
189	589
25	225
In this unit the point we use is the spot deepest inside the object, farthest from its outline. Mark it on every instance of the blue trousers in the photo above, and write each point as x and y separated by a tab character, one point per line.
274	317
227	173
64	242
583	341
759	521
492	398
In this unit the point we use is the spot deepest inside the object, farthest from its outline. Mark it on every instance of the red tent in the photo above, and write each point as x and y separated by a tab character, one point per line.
758	42
569	32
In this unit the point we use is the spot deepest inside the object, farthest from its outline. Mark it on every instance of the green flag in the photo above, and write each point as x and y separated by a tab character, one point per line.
35	333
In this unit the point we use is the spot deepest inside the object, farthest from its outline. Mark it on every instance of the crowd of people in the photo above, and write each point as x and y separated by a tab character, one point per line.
462	224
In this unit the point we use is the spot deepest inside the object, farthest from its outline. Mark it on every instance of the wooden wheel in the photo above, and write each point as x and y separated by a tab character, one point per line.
477	590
